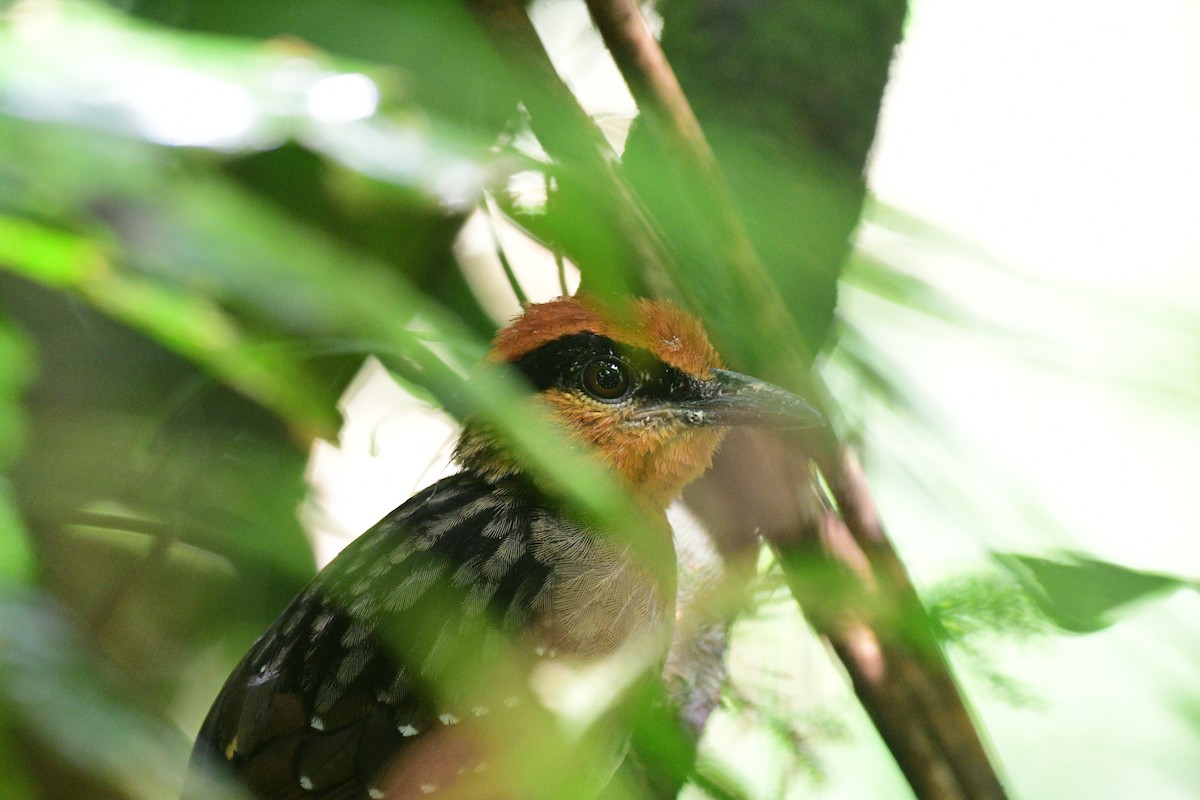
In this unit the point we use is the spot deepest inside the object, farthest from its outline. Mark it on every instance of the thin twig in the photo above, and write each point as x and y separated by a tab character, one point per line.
560	261
489	212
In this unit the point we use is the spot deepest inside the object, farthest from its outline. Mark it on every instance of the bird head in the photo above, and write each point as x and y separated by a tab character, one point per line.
646	390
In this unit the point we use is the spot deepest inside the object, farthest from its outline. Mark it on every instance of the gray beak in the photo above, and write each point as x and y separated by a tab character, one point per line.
733	399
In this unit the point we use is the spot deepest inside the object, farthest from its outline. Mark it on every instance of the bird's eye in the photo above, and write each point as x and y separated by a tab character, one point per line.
606	379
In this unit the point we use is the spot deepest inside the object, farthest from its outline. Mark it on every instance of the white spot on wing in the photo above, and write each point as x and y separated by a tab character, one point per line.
407	730
448	719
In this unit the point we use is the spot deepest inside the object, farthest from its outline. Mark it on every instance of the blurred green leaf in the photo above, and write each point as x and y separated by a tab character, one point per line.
58	691
18	782
448	65
1082	594
207	241
994	602
1138	339
888	281
16	370
16	556
186	322
204	239
80	63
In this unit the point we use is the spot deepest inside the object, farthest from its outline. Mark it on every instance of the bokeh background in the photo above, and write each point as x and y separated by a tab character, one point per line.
225	231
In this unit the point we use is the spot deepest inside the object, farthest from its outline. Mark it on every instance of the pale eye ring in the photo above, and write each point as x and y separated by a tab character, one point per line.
606	378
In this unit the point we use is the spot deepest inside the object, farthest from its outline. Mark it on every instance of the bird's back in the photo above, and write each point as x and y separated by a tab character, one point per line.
386	650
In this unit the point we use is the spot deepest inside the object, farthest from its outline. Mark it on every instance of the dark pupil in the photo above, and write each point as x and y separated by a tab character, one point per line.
605	378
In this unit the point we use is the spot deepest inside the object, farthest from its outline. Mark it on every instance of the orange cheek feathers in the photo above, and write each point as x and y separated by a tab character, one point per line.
656	460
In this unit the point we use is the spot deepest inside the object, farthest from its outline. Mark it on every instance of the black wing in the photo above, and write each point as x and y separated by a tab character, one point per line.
345	678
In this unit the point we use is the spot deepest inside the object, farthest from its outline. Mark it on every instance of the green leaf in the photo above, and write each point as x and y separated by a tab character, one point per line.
16	555
1082	594
83	64
990	602
18	782
208	255
64	696
184	321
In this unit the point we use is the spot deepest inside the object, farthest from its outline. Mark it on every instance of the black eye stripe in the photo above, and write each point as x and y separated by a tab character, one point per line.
559	365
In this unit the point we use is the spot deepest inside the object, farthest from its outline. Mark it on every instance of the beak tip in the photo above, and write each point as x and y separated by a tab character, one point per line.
749	402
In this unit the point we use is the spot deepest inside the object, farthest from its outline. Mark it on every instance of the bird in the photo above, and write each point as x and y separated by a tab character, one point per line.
388	676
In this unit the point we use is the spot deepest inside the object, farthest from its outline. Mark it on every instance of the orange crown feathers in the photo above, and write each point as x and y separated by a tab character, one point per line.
664	329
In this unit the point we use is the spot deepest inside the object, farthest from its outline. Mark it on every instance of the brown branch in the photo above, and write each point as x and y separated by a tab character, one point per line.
885	640
857	598
919	665
895	663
